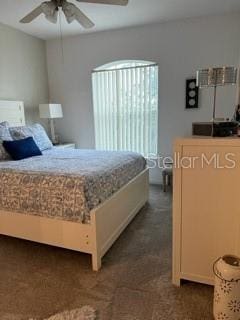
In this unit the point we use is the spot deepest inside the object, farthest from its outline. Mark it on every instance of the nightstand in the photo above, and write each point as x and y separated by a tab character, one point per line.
66	146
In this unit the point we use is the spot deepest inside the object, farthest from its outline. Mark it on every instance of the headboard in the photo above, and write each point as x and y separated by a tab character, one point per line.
13	112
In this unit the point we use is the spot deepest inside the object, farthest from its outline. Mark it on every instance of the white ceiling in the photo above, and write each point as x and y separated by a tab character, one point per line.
105	17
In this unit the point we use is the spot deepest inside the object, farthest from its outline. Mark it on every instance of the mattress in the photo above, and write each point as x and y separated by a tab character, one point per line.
65	183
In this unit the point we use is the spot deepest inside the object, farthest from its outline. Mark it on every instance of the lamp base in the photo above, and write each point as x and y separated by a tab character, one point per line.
54	138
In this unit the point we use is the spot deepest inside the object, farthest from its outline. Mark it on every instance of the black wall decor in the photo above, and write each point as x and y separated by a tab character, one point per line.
192	92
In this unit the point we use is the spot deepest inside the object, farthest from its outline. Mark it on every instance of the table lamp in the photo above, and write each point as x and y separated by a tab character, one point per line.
215	77
51	111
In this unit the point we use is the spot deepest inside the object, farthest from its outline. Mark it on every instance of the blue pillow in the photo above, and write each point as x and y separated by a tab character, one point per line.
22	149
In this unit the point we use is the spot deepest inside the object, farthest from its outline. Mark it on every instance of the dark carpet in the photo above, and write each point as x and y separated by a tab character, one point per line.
134	283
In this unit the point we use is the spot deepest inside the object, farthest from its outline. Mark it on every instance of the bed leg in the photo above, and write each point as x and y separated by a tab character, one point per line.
96	262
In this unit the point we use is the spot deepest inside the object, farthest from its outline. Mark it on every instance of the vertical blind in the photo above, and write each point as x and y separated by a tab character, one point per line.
126	109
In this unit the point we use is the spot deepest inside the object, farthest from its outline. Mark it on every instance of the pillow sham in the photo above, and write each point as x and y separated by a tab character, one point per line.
22	149
5	124
35	131
4	135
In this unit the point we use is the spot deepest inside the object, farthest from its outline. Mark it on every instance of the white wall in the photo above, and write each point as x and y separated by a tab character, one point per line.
23	70
180	48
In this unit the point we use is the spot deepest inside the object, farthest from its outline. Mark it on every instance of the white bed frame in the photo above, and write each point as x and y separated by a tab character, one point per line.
107	221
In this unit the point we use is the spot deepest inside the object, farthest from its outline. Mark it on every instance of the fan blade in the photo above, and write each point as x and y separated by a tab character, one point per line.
83	19
32	15
111	2
73	13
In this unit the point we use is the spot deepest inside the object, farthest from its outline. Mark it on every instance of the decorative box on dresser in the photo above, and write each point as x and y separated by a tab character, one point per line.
206	206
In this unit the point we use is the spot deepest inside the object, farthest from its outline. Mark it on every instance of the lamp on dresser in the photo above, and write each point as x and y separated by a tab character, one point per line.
51	111
215	77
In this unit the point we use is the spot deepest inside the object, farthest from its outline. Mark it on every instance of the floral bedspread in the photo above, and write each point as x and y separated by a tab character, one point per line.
65	183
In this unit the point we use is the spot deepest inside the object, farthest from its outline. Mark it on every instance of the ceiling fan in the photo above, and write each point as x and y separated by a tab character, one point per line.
72	12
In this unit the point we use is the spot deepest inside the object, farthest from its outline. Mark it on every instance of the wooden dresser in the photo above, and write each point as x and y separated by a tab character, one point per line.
206	205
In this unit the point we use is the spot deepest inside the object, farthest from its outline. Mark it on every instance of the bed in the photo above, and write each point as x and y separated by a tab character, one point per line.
84	207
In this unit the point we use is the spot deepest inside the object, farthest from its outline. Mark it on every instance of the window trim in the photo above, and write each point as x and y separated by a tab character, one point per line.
125	68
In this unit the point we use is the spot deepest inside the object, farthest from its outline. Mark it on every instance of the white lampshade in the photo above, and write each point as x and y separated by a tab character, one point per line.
50	111
216	77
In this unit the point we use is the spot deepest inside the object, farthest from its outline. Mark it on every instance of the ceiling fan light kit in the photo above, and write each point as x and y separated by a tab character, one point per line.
50	11
71	11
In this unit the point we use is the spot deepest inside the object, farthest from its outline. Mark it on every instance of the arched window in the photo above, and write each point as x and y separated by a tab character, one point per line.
125	96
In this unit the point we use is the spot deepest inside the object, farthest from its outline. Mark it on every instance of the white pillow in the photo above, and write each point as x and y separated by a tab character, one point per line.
36	131
5	124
